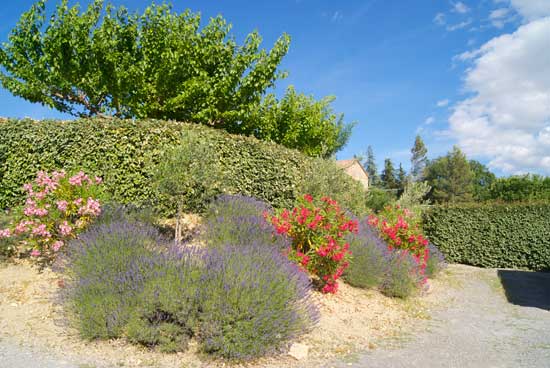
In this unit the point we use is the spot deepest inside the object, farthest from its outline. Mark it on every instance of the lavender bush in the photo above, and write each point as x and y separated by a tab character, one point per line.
436	262
166	315
253	302
241	301
370	261
107	268
403	277
236	219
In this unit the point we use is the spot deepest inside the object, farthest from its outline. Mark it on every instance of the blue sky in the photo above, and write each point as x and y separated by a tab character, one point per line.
397	68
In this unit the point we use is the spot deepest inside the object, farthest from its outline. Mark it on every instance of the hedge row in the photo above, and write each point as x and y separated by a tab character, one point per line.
511	235
125	153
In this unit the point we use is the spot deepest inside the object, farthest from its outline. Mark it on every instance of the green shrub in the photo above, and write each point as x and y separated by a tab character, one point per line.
378	198
322	177
126	155
8	245
513	235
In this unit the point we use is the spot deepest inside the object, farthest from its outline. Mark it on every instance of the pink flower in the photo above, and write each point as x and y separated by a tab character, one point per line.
6	233
41	230
79	178
57	245
92	208
308	198
78	201
62	205
41	212
65	228
98	180
35	253
28	188
22	226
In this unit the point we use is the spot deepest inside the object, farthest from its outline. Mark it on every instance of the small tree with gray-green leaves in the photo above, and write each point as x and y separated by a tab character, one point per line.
181	175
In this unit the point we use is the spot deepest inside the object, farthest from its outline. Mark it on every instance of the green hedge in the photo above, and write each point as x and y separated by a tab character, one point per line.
511	235
125	153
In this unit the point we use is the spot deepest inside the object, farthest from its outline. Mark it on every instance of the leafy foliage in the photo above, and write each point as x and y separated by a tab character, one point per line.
126	154
389	178
378	198
322	177
419	159
414	197
106	61
521	188
503	235
370	167
482	179
450	177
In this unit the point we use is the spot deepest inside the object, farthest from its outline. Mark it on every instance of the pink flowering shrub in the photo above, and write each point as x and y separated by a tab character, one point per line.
318	238
401	231
56	209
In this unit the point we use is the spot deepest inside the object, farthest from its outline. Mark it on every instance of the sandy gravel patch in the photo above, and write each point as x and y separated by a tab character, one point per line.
353	320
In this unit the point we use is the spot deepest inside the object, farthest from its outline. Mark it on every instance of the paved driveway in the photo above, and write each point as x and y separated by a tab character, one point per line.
488	319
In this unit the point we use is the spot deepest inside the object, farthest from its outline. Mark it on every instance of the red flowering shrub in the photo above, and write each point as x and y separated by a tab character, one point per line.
398	227
57	208
318	238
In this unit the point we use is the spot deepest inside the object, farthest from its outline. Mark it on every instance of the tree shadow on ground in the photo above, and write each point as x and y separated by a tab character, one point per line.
526	289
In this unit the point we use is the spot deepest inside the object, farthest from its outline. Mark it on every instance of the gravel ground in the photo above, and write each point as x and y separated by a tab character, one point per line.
486	319
479	318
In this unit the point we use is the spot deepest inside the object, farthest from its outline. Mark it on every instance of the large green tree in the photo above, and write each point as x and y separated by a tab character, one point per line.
107	61
419	159
389	179
482	179
450	177
370	167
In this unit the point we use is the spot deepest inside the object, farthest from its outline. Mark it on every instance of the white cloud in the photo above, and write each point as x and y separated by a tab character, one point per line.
507	118
442	103
429	120
460	7
532	9
460	25
439	19
499	17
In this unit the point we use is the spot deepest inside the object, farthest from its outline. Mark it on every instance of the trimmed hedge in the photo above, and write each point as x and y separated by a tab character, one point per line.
511	235
126	152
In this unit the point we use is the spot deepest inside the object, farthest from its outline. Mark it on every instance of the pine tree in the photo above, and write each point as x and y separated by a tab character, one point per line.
389	181
370	167
401	178
419	159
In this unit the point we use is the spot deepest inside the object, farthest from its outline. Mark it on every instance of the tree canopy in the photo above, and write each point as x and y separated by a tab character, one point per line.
419	159
450	177
107	61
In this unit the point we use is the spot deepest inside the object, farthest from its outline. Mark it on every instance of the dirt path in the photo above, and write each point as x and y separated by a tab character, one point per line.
482	318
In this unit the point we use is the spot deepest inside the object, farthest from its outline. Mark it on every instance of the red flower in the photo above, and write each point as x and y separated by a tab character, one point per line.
308	197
